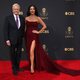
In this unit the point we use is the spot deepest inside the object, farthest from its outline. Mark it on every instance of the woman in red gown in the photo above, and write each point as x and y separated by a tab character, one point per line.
38	58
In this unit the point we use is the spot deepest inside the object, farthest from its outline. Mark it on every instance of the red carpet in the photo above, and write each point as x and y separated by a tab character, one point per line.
6	72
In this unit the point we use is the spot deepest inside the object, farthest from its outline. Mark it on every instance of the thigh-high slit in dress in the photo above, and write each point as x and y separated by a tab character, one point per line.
42	60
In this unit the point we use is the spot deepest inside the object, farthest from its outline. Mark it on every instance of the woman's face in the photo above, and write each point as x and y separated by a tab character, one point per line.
32	10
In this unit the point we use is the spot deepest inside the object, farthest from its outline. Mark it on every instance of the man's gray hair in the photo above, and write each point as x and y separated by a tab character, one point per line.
15	4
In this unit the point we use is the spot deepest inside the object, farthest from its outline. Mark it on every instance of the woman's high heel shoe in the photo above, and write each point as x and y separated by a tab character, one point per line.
32	70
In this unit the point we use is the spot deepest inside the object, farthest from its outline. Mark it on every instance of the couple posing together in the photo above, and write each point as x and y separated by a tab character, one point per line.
15	28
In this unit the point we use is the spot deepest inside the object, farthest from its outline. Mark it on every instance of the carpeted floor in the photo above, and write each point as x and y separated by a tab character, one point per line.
6	72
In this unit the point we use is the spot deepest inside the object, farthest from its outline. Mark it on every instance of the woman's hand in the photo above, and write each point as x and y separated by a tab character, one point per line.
35	31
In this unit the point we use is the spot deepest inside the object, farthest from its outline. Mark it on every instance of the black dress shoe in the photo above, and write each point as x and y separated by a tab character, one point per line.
15	73
19	70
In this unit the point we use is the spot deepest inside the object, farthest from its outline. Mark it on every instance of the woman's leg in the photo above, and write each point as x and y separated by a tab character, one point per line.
32	48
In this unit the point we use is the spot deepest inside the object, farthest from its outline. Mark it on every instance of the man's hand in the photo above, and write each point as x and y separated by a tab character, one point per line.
8	43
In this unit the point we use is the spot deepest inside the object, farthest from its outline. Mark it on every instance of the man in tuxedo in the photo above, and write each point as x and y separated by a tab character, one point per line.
13	33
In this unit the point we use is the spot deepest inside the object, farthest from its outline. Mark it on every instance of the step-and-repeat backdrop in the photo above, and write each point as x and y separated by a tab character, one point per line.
61	39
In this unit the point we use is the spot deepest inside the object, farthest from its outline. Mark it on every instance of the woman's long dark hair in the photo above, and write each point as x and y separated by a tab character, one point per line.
28	11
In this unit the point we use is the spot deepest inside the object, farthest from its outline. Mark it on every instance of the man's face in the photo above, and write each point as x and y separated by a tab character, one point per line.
16	10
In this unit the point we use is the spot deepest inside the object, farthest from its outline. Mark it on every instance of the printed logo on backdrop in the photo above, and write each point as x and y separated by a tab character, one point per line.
46	31
44	16
44	13
20	13
45	48
68	49
22	49
69	32
69	13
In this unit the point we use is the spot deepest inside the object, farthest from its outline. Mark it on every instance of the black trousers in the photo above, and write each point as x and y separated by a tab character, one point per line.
15	54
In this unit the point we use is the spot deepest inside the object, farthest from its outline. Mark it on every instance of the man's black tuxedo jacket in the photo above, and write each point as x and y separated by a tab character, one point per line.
11	32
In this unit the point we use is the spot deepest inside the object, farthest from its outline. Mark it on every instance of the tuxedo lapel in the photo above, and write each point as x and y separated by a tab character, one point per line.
13	19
